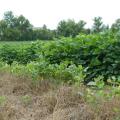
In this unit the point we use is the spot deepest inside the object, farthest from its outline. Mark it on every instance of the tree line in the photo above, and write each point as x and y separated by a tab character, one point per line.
19	28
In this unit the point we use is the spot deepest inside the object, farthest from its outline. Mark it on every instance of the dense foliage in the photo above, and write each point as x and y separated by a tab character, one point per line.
18	28
83	58
20	54
70	28
15	28
98	54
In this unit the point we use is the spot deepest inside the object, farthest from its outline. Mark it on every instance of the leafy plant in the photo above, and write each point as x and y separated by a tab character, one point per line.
2	100
26	99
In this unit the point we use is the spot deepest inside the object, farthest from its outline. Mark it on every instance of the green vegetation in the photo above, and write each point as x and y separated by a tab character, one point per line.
15	43
71	60
71	55
2	100
19	28
26	99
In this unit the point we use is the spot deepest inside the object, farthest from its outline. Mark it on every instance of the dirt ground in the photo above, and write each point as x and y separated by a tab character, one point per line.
20	99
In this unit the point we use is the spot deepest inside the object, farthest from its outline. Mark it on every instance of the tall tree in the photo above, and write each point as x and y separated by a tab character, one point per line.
116	26
80	27
15	28
70	28
3	27
61	28
24	27
97	25
9	19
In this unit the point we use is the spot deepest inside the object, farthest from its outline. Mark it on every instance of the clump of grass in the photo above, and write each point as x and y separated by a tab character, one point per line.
26	99
2	100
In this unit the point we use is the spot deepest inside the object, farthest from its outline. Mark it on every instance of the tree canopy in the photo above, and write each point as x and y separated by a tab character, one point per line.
19	28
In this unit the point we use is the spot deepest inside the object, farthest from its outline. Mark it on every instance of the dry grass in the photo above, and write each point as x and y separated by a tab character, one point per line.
110	110
43	101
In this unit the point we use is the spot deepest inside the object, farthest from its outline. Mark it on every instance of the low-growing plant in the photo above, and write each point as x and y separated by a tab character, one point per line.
66	72
26	99
2	100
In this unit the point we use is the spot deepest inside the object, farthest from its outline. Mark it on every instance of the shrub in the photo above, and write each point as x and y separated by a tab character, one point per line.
71	74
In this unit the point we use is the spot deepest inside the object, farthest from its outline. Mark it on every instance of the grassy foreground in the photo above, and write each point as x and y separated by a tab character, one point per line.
21	99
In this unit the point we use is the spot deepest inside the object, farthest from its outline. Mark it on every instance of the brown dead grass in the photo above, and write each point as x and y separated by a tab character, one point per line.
45	101
110	110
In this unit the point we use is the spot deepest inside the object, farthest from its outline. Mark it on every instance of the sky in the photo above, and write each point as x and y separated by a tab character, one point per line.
50	12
